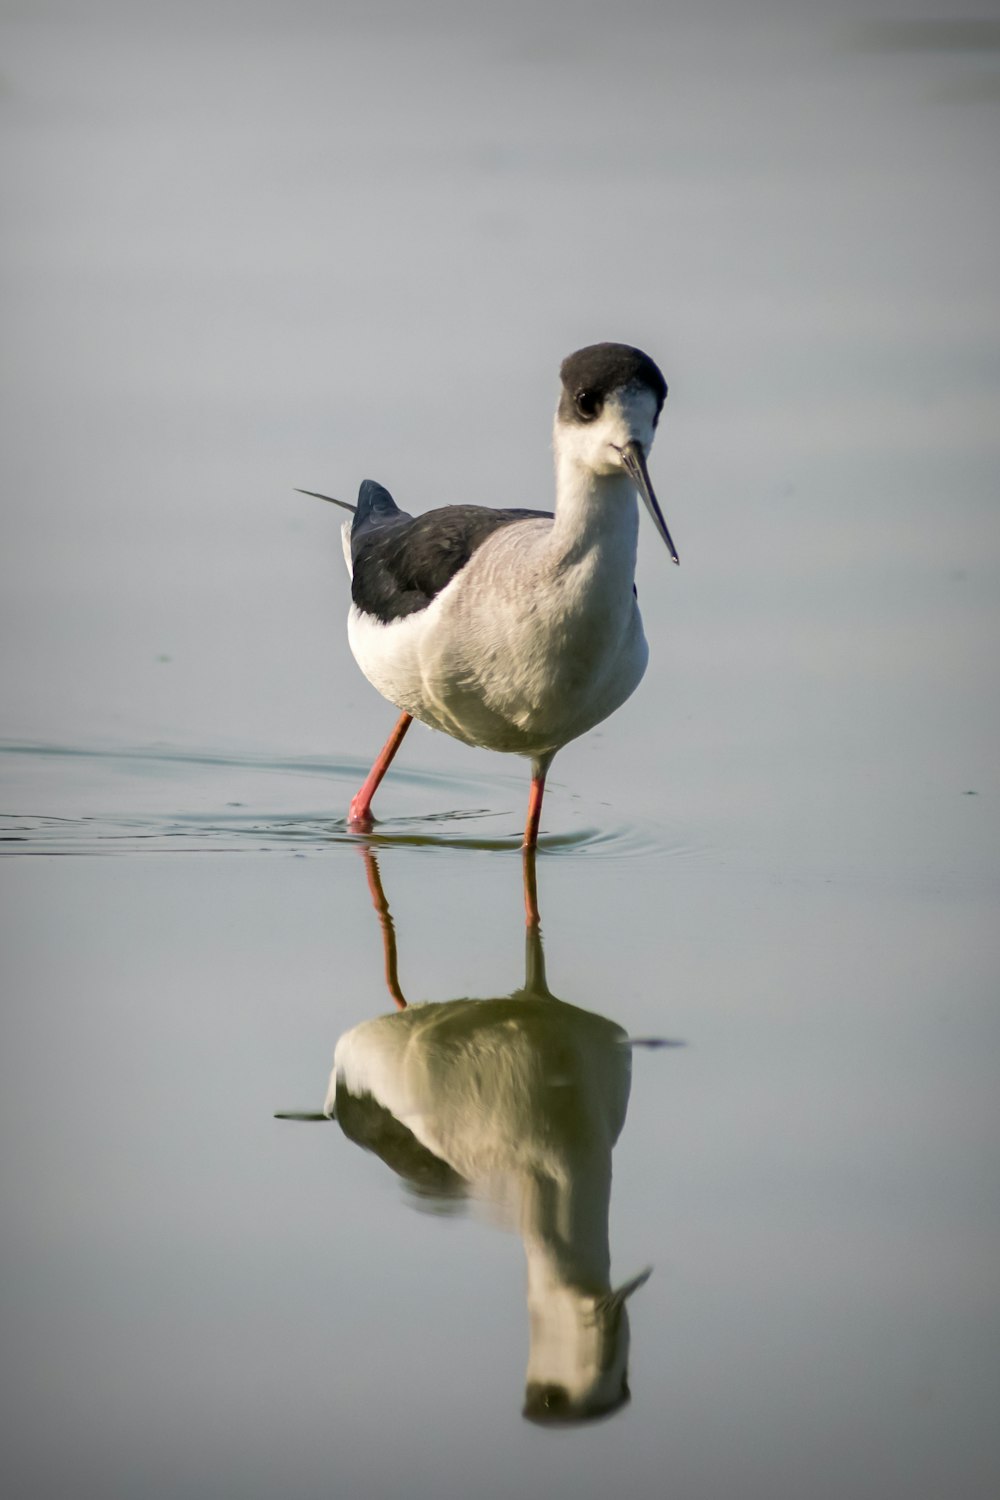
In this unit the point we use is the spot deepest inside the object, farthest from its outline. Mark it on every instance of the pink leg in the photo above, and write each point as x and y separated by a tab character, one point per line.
539	770
360	814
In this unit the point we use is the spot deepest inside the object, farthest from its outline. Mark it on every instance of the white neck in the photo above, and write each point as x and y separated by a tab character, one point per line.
595	513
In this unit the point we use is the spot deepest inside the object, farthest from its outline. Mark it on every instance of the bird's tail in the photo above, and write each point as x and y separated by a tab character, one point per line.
375	504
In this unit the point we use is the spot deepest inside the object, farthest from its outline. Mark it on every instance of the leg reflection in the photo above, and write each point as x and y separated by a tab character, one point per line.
515	1101
384	915
531	915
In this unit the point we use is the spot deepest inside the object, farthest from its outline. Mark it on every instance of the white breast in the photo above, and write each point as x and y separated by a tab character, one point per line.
522	652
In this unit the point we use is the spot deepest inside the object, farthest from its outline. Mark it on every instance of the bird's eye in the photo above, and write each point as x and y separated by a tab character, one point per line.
588	405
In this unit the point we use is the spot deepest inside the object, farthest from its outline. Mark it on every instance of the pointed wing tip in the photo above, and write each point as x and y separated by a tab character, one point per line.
330	499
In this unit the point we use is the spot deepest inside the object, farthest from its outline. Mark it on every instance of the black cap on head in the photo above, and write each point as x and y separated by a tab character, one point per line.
590	375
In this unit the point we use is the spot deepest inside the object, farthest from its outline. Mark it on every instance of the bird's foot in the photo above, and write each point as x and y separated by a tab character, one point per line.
359	815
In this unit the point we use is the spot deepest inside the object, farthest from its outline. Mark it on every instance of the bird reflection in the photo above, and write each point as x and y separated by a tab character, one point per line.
516	1102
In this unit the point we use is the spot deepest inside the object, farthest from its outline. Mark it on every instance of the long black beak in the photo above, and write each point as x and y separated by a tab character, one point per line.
635	464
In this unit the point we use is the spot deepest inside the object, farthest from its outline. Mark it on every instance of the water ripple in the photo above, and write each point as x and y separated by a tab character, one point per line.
160	800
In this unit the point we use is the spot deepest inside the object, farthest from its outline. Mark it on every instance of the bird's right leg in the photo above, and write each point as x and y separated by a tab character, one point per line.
360	815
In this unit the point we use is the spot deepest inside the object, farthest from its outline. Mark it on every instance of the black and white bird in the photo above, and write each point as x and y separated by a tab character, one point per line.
517	630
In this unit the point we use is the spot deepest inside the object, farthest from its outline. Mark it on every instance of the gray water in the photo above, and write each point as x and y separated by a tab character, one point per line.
254	246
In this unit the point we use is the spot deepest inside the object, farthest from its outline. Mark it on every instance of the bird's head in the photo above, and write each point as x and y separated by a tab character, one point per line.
611	400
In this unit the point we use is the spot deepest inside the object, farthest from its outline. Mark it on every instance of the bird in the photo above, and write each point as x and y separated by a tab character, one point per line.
515	629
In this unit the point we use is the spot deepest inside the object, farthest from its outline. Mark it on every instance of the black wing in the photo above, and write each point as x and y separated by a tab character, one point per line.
401	562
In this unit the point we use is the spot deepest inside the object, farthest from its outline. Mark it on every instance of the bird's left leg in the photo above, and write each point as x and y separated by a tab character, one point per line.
539	771
360	815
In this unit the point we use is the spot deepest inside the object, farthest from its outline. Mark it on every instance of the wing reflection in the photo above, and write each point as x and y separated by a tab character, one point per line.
516	1102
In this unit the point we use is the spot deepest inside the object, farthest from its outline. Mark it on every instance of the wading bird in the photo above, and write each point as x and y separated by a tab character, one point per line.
517	630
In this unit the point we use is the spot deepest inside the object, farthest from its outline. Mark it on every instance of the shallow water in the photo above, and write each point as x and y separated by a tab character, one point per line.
212	1297
103	813
310	247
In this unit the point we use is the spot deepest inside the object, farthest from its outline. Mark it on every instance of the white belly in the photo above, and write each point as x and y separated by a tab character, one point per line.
524	668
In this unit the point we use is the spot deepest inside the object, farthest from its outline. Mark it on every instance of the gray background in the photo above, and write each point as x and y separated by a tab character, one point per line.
255	246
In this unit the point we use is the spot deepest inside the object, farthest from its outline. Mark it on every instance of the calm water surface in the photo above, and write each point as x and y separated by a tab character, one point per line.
267	1232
